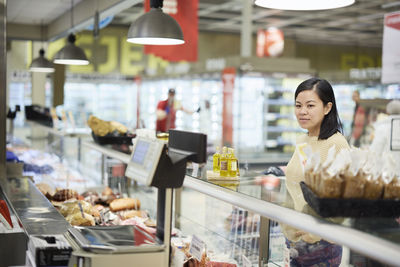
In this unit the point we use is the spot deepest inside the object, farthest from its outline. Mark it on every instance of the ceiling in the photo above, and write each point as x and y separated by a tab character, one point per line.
359	24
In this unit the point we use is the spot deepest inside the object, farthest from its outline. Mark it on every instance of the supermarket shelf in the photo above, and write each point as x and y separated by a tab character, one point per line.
280	102
273	116
279	129
367	244
275	143
125	158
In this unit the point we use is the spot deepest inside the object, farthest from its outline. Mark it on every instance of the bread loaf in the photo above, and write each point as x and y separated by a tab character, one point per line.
125	204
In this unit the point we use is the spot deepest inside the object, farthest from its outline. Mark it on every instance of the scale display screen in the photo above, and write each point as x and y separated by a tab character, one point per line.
140	152
144	160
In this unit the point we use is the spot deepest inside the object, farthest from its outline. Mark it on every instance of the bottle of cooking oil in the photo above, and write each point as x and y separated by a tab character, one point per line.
223	163
232	163
216	159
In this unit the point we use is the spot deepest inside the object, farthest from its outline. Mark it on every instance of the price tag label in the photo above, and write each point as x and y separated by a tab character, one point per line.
196	247
195	171
246	262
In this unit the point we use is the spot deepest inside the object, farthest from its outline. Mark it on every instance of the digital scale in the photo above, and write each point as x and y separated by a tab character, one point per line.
152	163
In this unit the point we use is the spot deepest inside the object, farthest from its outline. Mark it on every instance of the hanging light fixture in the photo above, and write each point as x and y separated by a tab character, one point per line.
41	64
155	28
71	54
303	4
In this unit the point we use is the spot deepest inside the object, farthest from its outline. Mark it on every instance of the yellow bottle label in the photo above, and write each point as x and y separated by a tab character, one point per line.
224	167
216	163
233	166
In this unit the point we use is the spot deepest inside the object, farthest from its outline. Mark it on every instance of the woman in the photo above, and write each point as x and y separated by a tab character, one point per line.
316	112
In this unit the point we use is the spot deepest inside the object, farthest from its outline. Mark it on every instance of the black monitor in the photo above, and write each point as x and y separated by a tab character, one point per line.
190	143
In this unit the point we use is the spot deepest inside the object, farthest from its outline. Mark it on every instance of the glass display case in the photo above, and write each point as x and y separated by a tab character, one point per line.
240	220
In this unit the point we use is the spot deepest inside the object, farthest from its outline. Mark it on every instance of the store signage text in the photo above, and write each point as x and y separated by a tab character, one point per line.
215	64
360	61
365	74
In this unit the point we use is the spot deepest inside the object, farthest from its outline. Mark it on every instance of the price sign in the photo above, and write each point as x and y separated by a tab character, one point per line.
195	169
196	247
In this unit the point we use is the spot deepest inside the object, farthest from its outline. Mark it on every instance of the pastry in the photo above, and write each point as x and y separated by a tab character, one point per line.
127	214
80	219
64	194
373	188
354	186
330	187
125	204
392	189
46	190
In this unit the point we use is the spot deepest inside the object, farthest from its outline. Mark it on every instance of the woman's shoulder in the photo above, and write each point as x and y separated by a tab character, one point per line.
301	138
338	139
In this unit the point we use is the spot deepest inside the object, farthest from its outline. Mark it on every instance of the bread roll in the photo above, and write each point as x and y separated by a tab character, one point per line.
65	194
78	220
392	189
373	189
125	204
127	214
354	186
46	190
330	187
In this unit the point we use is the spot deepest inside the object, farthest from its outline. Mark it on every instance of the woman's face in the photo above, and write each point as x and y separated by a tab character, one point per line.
310	111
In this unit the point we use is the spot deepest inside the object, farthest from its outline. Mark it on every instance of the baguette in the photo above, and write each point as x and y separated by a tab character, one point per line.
125	204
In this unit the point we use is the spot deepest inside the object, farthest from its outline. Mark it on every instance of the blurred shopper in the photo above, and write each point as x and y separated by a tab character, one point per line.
359	121
383	130
166	112
316	112
205	118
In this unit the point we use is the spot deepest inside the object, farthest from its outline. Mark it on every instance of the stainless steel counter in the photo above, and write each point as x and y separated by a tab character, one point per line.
36	214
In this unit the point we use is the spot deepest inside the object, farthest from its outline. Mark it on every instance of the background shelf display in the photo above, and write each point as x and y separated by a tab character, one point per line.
192	93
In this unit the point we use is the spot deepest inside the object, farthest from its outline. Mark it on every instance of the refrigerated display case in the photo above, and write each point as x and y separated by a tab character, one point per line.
111	101
192	92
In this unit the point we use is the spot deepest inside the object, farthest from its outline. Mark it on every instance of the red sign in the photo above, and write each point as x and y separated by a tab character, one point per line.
228	80
185	13
393	20
270	43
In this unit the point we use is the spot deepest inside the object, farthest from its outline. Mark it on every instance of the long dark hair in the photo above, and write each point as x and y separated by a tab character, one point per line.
331	123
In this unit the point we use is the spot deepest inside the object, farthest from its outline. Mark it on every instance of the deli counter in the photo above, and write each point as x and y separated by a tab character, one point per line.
237	220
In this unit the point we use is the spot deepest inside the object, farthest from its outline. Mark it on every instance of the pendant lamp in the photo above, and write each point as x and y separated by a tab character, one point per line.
303	4
155	28
41	64
71	54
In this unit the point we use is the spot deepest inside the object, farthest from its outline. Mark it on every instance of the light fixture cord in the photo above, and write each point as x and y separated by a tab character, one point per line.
72	15
156	3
